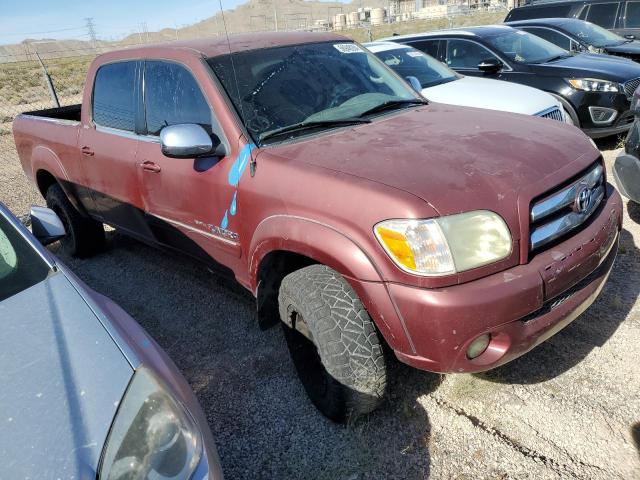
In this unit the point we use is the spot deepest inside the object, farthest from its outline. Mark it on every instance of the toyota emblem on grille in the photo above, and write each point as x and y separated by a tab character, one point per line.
583	199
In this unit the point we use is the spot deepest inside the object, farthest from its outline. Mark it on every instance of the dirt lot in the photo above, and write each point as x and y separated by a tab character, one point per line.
569	409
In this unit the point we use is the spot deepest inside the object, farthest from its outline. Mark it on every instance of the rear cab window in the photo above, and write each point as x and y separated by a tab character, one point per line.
114	96
21	266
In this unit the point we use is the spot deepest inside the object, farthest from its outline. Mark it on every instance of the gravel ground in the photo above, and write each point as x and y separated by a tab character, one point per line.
568	409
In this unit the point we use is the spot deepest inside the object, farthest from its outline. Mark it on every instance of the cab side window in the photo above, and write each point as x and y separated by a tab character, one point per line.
172	96
603	14
430	47
114	96
465	54
632	15
549	35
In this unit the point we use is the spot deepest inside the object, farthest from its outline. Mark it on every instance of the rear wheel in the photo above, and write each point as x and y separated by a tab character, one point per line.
333	342
85	236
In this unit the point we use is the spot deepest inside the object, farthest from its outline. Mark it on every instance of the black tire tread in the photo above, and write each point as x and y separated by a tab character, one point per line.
346	337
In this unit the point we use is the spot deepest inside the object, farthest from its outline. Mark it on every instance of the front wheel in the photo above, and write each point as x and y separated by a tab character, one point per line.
334	344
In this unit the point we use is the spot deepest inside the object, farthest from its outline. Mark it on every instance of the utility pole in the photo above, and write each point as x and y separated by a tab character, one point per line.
91	30
275	16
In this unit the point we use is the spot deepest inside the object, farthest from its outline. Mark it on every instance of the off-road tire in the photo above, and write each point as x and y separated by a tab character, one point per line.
343	369
85	236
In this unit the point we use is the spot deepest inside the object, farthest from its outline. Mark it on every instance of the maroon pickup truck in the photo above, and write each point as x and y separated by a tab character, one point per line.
358	214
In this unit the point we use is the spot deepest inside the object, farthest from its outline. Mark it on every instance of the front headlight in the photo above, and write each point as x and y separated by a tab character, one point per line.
445	245
152	435
593	85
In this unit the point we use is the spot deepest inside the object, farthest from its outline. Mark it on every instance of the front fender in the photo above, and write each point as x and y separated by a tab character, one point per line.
327	245
321	242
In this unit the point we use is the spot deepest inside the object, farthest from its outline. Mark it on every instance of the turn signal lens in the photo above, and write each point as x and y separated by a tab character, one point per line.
417	246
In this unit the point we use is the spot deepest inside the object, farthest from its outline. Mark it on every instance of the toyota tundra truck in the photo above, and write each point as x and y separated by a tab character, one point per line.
364	219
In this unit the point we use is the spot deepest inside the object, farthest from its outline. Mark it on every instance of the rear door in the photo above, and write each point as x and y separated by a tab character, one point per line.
181	194
108	145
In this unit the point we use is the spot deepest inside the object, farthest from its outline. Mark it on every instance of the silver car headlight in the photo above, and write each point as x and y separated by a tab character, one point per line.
152	436
445	245
593	85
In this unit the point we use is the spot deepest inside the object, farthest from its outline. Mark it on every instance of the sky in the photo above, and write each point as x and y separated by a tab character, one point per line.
113	19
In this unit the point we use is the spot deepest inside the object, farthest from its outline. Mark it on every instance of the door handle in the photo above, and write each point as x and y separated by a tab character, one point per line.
87	151
150	166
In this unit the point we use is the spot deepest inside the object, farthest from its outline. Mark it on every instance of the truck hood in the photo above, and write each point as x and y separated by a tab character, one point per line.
62	379
496	95
456	159
591	65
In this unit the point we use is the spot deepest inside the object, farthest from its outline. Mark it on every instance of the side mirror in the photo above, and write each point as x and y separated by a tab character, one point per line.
189	140
414	82
46	226
630	37
491	65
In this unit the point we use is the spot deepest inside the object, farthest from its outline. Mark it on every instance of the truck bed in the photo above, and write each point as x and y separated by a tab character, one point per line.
70	112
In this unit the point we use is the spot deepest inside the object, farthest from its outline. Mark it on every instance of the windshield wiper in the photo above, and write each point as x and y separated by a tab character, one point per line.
553	59
392	104
302	126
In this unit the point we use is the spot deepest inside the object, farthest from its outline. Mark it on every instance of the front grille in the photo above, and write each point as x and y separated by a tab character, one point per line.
553	113
631	86
557	214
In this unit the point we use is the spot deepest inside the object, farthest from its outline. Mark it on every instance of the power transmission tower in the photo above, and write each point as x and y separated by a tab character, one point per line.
91	30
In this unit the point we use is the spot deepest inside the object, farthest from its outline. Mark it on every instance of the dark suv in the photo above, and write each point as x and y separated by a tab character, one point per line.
595	90
619	16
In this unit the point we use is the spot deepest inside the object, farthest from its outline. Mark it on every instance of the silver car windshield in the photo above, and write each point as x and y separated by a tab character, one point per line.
318	82
20	265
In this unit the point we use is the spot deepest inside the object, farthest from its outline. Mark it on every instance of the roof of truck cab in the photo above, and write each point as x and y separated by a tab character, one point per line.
215	46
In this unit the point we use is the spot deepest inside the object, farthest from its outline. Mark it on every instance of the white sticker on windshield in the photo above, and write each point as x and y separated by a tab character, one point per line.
414	54
347	48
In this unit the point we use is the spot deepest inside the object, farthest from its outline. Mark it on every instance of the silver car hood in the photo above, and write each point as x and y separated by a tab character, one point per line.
62	377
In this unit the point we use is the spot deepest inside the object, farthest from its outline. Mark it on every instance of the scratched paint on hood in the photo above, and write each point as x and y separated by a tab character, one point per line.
235	173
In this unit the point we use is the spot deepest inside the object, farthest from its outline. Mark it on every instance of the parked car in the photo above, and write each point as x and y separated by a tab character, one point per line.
626	168
86	393
619	16
580	36
356	212
439	83
594	89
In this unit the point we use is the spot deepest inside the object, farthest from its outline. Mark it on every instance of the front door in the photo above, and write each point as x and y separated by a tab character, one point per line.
184	198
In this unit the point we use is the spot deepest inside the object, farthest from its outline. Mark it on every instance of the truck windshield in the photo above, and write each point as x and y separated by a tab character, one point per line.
593	34
320	83
522	47
20	265
409	62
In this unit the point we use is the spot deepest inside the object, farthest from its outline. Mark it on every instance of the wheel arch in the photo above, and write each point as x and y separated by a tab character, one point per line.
283	244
